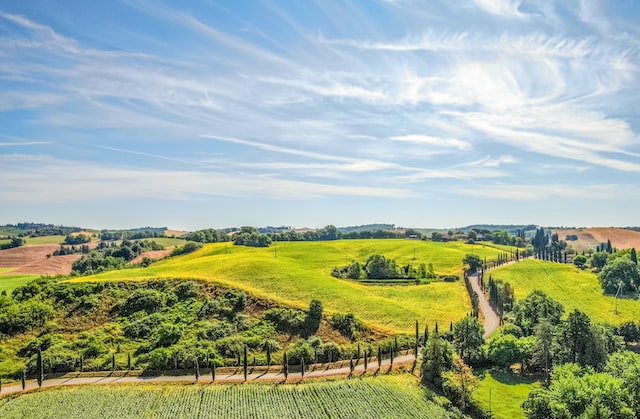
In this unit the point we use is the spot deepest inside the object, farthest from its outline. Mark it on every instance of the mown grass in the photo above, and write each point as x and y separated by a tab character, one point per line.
508	392
294	273
167	241
572	287
9	282
44	240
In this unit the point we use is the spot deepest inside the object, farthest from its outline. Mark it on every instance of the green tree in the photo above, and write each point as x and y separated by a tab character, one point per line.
534	308
504	351
633	256
40	368
599	259
473	261
467	339
580	261
313	318
575	338
542	354
620	272
437	357
459	383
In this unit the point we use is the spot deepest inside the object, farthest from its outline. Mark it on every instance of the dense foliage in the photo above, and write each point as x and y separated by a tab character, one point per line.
112	256
160	324
380	267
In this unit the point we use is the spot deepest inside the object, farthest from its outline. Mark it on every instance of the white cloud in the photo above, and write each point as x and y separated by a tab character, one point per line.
433	141
507	8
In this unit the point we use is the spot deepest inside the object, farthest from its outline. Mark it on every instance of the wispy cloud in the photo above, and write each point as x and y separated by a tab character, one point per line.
433	141
542	191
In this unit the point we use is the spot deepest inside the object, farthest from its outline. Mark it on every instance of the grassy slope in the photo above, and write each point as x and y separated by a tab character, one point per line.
508	392
389	396
570	286
44	240
302	271
167	242
8	282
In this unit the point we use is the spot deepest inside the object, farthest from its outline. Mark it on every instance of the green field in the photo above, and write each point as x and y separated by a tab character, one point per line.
572	287
389	396
167	242
508	392
44	240
8	282
302	272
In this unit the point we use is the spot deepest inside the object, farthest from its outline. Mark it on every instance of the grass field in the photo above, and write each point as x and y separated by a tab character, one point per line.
44	240
508	392
8	282
302	272
572	287
389	396
167	242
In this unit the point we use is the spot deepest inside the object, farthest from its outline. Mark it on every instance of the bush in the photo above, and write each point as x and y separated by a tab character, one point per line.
142	328
159	359
347	324
168	334
289	320
141	299
18	318
186	290
187	248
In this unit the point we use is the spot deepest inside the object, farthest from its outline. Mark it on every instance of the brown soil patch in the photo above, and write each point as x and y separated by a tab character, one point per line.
176	233
153	254
33	260
589	238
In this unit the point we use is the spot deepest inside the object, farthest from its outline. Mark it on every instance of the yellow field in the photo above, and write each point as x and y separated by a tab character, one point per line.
572	287
294	273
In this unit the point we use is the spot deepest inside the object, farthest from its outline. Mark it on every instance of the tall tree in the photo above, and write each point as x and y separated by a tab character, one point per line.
40	368
313	318
436	358
467	338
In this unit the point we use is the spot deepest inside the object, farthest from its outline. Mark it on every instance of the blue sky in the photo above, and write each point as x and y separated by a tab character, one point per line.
305	113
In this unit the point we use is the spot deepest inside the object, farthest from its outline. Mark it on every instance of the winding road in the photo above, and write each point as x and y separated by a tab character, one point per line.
491	318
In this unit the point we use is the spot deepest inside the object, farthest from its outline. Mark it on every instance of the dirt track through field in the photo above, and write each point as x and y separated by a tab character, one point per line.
491	319
315	371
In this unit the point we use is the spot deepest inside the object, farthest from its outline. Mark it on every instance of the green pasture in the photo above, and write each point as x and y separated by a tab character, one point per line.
294	273
503	393
44	240
8	282
167	241
573	287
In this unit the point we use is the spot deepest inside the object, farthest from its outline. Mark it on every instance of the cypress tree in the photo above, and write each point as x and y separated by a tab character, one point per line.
426	335
436	327
113	362
379	356
197	369
24	379
81	362
351	366
244	362
451	326
302	366
634	256
268	356
395	343
366	361
128	361
391	358
213	370
358	353
0	384
415	349
40	368
285	367
417	333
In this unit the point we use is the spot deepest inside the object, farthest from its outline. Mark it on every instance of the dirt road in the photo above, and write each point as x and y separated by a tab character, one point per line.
314	371
491	319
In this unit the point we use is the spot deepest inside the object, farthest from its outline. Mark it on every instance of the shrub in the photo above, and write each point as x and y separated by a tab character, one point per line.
141	299
159	359
347	324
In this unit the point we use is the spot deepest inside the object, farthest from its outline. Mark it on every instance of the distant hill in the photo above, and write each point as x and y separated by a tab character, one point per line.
36	230
367	227
511	228
589	238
